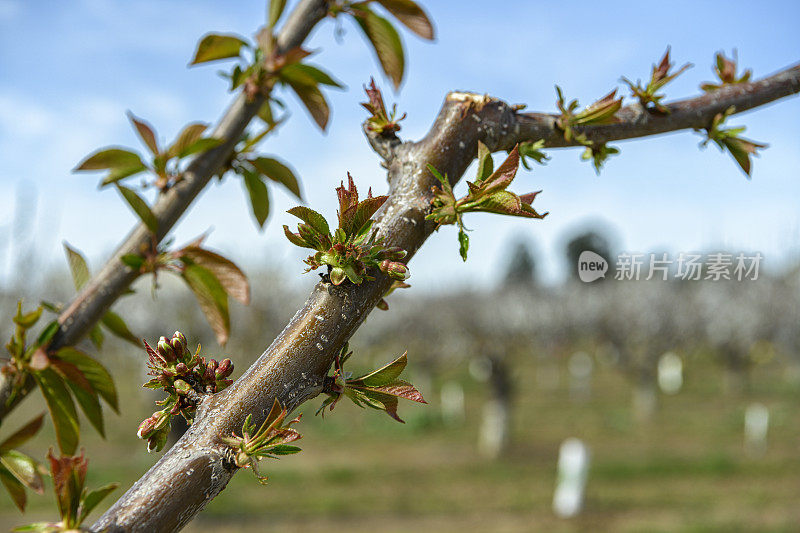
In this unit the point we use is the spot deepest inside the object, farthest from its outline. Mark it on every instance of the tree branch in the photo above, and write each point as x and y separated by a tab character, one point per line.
635	121
105	287
294	366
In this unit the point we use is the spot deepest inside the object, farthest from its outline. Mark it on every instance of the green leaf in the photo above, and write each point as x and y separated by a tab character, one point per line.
140	207
275	11
279	172
386	42
211	297
186	138
48	333
438	176
265	113
93	498
22	435
90	405
309	75
77	266
485	163
201	145
83	392
312	218
215	46
95	373
337	276
120	173
111	159
15	488
27	320
23	468
385	374
313	100
296	239
62	409
463	243
116	325
411	15
96	336
134	261
284	449
362	213
379	400
145	132
230	276
259	196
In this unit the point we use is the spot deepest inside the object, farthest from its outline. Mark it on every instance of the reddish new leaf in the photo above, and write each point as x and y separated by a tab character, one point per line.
145	132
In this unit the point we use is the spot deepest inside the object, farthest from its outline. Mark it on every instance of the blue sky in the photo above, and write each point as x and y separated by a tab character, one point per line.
70	70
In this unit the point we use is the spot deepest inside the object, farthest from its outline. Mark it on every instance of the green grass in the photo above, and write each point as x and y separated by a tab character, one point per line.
685	470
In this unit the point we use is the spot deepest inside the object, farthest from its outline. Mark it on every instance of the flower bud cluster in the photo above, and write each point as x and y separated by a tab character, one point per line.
184	376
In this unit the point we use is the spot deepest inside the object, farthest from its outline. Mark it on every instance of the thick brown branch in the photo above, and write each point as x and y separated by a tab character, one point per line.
294	367
105	287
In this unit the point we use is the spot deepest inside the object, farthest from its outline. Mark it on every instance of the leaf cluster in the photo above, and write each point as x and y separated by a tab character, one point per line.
184	376
380	121
488	193
729	139
255	170
379	389
534	151
165	162
111	321
75	501
382	35
17	470
64	377
350	250
262	66
603	111
725	70
212	278
269	440
660	76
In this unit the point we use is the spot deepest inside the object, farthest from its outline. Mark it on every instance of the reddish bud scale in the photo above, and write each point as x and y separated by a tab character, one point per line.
394	269
165	350
146	428
224	369
179	343
208	375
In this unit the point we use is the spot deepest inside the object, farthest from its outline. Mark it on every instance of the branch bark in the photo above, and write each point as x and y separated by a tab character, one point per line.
294	366
105	287
635	121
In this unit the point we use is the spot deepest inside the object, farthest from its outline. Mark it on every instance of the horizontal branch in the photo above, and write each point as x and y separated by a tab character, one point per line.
107	285
294	366
635	121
